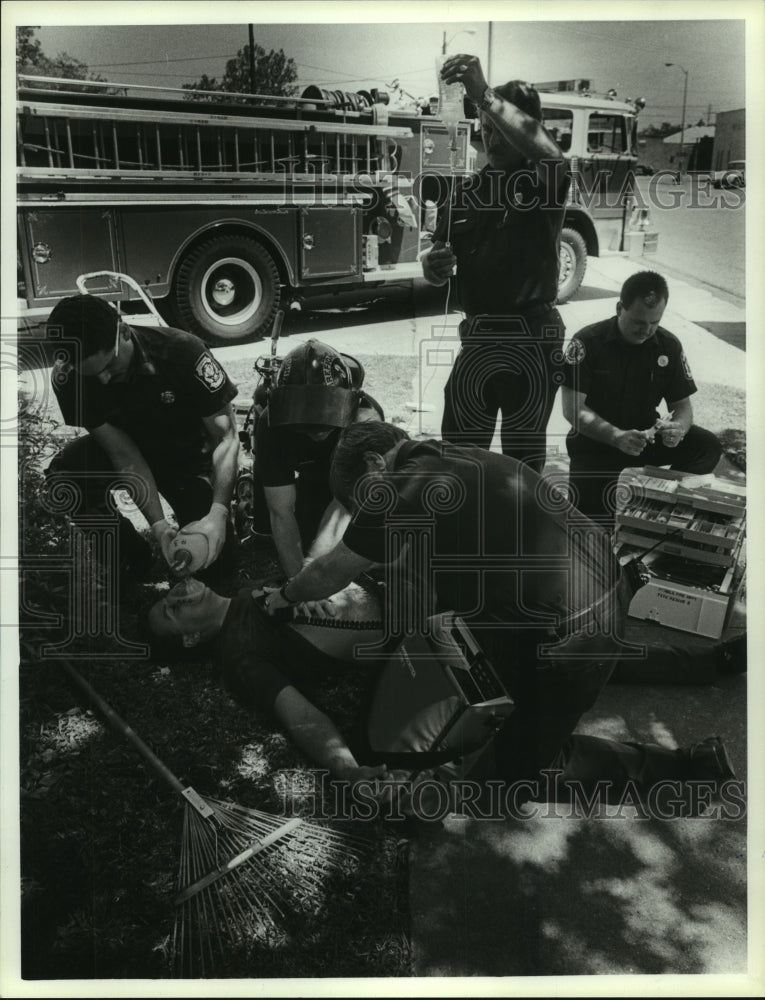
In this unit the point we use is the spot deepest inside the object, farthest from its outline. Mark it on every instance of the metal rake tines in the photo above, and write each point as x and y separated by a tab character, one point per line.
243	875
238	866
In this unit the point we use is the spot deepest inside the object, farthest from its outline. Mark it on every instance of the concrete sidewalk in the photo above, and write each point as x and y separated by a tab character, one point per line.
557	896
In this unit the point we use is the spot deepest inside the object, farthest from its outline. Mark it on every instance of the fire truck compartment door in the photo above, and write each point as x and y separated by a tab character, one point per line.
329	241
63	244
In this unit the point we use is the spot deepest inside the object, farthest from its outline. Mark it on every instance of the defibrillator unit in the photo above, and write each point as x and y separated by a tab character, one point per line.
438	702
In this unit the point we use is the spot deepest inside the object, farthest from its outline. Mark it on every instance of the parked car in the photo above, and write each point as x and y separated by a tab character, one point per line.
734	176
644	170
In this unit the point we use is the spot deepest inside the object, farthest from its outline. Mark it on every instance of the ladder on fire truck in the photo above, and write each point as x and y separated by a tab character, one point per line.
128	132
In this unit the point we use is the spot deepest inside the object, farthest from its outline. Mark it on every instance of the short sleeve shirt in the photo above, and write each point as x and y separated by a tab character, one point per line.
482	539
504	229
282	453
258	656
622	383
173	383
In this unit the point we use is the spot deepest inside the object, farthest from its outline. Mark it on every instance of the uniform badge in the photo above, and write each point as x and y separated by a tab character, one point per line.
686	366
333	370
662	361
575	352
167	397
209	372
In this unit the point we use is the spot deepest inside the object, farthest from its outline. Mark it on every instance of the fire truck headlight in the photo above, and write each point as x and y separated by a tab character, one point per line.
41	253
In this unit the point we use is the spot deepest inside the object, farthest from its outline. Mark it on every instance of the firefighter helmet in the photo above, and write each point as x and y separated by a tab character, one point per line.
316	387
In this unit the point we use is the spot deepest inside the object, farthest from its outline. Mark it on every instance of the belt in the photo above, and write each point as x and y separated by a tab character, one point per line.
581	620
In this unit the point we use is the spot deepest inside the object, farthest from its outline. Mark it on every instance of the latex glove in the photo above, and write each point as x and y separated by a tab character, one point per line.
213	527
438	264
164	533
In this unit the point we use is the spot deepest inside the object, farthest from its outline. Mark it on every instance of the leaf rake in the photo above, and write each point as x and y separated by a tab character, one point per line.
243	874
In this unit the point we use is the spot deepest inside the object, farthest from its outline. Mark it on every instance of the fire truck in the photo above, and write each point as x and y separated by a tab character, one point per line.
226	208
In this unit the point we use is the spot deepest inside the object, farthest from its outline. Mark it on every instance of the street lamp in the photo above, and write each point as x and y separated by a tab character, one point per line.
463	31
685	96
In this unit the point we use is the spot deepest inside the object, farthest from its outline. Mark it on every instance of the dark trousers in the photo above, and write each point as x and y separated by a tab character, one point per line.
515	371
552	694
595	467
85	465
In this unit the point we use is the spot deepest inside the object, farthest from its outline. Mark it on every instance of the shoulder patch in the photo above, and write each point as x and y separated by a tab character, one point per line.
209	372
575	353
686	366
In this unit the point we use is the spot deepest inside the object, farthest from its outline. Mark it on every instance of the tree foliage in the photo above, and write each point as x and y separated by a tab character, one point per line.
31	59
274	75
660	131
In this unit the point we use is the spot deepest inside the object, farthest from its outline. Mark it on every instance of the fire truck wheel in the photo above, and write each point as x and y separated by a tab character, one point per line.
227	289
573	263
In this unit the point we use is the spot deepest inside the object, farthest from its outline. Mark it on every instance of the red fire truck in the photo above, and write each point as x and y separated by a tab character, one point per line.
227	207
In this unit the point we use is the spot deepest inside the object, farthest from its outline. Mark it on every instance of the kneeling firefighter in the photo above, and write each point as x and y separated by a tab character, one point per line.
316	393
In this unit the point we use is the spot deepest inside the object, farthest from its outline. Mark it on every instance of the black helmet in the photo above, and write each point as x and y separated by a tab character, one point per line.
317	387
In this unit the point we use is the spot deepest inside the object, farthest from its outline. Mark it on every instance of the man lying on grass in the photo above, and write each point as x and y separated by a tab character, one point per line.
272	666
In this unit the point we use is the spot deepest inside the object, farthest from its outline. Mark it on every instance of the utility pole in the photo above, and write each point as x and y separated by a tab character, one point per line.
251	33
685	99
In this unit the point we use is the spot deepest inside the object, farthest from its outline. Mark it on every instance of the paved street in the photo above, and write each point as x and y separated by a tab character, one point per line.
702	233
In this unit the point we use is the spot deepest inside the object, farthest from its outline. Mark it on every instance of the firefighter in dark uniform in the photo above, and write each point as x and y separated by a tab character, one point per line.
157	406
537	584
617	373
502	230
317	393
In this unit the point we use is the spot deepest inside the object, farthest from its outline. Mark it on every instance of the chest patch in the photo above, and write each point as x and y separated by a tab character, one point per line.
662	361
575	353
209	372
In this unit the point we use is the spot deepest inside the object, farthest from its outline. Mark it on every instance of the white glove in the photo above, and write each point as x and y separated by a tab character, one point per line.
164	533
213	527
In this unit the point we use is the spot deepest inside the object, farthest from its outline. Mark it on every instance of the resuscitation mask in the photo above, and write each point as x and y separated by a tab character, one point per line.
188	552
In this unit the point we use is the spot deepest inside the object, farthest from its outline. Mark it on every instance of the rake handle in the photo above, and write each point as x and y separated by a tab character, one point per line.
123	728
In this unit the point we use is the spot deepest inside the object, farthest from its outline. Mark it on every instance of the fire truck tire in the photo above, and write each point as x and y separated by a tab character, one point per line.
227	290
573	263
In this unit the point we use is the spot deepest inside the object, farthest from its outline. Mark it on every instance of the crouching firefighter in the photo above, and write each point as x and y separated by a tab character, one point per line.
316	393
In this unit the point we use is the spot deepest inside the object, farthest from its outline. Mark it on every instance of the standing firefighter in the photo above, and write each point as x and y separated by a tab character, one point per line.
157	408
502	231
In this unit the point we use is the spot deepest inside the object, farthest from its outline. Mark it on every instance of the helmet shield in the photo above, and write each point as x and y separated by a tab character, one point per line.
312	405
316	387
